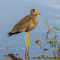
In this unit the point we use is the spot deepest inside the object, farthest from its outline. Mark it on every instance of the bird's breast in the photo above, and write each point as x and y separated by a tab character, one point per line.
33	23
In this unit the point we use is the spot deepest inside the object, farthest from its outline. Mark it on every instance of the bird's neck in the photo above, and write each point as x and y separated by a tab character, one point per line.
33	14
36	20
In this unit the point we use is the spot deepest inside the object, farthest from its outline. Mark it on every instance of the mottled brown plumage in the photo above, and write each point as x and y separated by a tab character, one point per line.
26	24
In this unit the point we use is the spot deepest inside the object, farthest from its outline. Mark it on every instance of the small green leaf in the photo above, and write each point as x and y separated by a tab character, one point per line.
43	53
46	22
59	38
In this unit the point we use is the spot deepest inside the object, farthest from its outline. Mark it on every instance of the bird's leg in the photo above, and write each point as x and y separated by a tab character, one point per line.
25	39
28	52
28	38
25	53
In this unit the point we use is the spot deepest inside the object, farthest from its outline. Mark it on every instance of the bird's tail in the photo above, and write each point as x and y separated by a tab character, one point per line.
10	34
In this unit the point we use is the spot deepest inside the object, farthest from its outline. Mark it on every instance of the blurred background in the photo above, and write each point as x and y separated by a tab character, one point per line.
12	11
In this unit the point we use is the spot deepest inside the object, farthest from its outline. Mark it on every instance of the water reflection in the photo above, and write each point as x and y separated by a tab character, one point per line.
27	53
11	56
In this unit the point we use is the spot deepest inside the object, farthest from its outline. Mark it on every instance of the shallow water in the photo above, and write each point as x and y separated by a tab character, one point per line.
11	11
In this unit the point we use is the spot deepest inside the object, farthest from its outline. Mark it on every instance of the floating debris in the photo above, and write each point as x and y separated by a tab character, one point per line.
37	41
45	49
37	57
17	54
11	56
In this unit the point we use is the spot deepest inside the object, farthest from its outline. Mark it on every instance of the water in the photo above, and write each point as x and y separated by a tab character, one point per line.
11	11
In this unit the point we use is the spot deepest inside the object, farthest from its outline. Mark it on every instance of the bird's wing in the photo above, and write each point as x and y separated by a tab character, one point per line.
22	25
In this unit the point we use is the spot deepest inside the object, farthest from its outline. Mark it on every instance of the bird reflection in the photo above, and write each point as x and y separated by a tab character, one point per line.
27	53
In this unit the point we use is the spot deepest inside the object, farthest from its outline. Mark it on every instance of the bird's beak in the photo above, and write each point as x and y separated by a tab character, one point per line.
37	13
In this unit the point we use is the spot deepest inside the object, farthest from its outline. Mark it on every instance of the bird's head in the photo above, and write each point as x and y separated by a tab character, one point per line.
34	12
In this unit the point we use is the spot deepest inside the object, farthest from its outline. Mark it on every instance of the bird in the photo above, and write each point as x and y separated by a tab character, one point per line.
26	24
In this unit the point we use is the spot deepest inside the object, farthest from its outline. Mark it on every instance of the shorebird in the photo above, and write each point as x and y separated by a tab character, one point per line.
26	24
